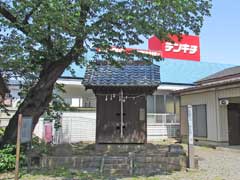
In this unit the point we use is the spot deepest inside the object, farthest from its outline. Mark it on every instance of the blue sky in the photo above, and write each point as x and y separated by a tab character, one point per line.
220	35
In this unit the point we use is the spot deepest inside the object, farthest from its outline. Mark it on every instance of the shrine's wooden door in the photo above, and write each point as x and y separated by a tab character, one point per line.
109	124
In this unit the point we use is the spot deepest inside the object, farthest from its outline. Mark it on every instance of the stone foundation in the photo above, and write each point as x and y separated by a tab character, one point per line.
116	161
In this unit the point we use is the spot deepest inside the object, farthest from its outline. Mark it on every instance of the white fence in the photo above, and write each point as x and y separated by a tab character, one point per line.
81	126
77	126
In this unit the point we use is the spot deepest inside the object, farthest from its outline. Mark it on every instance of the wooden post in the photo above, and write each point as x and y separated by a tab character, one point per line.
18	145
191	163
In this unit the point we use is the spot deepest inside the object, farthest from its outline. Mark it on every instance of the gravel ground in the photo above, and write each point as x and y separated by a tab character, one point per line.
214	164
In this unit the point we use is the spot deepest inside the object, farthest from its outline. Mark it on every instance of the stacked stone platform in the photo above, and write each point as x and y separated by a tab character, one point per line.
119	160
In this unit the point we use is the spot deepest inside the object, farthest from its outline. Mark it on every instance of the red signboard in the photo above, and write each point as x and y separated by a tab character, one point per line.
188	48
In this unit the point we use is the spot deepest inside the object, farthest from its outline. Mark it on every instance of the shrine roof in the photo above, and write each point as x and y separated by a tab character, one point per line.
134	73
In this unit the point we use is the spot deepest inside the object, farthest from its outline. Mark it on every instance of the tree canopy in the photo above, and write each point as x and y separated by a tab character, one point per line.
40	39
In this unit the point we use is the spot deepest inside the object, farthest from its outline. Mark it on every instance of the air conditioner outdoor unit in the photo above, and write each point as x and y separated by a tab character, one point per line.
223	102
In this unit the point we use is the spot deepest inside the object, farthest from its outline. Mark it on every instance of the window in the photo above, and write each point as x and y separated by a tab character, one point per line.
160	103
169	106
163	104
76	102
81	102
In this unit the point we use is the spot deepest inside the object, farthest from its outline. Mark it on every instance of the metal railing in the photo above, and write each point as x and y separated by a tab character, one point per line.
162	118
162	125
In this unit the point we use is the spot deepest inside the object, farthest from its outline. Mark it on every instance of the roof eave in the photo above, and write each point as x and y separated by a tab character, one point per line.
202	87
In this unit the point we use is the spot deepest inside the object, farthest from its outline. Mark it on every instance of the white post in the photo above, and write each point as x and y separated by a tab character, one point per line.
121	100
190	138
80	102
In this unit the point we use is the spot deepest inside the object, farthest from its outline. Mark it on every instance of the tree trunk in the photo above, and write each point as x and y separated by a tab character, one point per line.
36	101
3	87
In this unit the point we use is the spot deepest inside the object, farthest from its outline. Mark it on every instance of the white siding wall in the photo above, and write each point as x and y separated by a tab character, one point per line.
78	126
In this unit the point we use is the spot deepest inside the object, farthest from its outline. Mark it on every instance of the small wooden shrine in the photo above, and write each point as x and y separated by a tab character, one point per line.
121	99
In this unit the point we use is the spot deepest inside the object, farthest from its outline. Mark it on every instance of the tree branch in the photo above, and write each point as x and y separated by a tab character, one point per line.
20	25
77	48
27	17
9	16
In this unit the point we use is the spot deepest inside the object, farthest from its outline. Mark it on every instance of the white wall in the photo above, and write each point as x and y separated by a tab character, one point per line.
78	91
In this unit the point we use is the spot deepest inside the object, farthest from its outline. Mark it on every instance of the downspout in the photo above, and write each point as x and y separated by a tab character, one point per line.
216	113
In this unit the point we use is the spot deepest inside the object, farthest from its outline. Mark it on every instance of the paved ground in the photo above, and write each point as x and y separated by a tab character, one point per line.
215	164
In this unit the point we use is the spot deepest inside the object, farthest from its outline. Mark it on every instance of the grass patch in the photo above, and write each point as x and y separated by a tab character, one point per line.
60	173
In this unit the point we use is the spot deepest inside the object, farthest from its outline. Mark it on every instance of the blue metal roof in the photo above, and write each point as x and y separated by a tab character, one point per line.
174	71
187	72
136	73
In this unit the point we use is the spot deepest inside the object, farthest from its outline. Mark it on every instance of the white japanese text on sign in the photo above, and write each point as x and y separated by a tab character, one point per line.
185	48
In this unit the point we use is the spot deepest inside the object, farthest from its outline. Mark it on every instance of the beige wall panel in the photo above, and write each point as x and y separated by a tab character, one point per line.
223	121
232	95
234	92
184	123
207	98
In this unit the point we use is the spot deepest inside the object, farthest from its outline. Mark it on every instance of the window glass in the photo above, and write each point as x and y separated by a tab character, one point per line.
160	104
150	104
169	104
75	102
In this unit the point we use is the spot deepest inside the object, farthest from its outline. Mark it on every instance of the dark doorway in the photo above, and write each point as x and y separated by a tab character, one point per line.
234	123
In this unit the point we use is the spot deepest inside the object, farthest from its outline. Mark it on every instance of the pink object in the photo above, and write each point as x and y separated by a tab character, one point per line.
48	132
